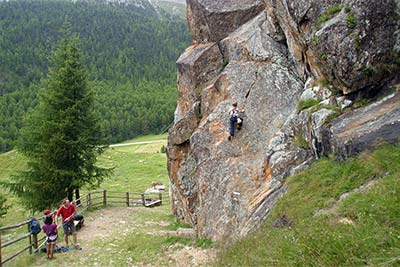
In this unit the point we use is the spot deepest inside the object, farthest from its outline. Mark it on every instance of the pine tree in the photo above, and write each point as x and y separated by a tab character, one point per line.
62	136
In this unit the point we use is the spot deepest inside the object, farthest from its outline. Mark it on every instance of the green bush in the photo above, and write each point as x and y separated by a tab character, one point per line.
351	21
324	17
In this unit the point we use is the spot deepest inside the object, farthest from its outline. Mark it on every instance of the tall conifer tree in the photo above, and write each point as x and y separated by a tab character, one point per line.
61	137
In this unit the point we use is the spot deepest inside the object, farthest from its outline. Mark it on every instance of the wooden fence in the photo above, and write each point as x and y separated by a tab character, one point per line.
97	199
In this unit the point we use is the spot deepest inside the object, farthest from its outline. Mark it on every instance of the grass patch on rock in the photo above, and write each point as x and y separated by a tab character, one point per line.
304	104
300	141
324	17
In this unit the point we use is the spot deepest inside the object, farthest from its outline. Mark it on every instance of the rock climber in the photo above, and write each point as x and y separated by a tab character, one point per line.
234	119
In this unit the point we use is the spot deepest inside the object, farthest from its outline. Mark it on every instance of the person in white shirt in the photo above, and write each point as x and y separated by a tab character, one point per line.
233	120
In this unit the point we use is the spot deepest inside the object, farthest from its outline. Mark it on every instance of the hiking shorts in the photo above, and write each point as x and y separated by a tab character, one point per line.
69	228
52	239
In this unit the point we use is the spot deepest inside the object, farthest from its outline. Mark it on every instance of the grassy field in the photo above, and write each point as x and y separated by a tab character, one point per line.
135	167
136	233
361	230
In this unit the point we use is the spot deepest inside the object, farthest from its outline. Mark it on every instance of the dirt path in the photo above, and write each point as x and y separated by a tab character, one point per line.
117	237
138	143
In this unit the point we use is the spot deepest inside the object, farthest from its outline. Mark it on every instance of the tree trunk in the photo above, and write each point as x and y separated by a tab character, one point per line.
70	194
77	196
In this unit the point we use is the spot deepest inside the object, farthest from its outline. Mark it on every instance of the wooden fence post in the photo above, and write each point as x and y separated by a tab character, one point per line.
89	201
143	200
30	244
104	198
127	199
35	241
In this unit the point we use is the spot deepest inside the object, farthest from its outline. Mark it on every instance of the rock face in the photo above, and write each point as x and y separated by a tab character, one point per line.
271	57
366	127
211	20
350	42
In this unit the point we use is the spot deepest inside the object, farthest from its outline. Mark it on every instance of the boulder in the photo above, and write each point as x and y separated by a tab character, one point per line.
196	66
211	21
366	127
184	127
361	56
349	43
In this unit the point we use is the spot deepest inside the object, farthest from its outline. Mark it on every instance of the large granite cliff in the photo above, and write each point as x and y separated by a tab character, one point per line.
274	58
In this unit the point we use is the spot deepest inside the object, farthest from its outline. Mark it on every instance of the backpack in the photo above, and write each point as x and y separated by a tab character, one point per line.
34	226
79	217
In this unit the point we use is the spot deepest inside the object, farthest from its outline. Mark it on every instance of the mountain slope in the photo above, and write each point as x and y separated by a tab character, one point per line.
128	49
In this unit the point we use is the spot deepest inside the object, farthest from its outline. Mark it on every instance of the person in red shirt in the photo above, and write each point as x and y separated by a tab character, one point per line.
67	212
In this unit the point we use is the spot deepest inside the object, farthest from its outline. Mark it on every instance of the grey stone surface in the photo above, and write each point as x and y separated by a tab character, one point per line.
196	66
351	56
318	142
366	127
185	126
211	20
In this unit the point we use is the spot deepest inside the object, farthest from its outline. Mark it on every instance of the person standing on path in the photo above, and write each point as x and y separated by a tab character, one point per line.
67	212
50	229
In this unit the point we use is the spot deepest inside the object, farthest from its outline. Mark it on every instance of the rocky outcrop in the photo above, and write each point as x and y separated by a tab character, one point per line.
366	127
349	42
211	21
269	58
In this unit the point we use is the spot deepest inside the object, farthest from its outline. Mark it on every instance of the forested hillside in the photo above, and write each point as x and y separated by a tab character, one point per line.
129	50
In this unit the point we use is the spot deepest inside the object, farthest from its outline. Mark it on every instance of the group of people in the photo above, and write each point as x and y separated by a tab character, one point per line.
67	212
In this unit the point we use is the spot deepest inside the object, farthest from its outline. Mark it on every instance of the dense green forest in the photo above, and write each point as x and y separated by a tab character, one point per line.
129	52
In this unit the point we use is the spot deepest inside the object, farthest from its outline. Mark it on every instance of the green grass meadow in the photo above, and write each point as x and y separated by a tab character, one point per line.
135	167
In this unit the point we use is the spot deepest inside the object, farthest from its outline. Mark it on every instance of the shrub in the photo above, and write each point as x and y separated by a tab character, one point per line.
163	149
314	40
351	21
357	40
324	17
334	10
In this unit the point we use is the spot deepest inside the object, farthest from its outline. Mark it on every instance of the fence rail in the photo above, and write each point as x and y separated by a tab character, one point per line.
88	201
